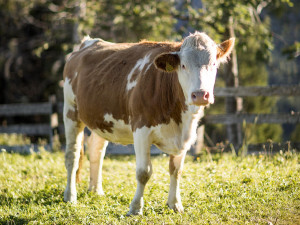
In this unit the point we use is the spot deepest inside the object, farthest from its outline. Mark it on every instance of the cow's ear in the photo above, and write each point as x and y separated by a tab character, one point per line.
167	62
224	49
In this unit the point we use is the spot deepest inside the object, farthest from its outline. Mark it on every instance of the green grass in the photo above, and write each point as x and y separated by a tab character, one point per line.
215	190
13	139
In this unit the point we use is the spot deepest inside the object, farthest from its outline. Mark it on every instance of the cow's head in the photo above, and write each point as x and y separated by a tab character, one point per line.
196	64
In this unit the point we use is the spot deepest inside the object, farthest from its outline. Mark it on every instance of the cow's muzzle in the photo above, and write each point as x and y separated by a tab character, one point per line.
200	97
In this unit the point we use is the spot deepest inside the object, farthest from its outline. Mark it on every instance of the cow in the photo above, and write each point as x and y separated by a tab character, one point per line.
142	94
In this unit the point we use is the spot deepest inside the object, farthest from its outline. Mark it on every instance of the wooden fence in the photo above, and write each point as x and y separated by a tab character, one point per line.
48	129
239	118
53	111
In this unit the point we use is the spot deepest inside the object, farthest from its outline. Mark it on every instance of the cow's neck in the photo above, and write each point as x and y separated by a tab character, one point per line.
190	120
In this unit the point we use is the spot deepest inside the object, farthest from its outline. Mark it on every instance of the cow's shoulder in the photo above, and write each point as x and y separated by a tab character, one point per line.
157	97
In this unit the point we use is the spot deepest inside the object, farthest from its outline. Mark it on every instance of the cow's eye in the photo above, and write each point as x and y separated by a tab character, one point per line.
183	66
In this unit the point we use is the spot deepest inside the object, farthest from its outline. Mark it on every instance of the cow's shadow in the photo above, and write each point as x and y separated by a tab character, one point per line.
15	220
46	196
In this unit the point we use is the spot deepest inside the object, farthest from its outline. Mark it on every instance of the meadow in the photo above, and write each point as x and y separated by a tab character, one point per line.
215	189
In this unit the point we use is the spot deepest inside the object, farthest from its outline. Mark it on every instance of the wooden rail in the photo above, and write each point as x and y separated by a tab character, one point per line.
26	109
251	118
32	109
28	129
257	91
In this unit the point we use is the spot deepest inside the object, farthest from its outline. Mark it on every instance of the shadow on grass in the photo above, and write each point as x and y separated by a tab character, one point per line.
47	196
14	220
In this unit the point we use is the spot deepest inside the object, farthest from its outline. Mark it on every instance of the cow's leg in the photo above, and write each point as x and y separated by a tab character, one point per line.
74	143
175	169
96	146
143	169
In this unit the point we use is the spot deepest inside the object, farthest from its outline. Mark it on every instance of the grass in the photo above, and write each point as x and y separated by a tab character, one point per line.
13	139
221	189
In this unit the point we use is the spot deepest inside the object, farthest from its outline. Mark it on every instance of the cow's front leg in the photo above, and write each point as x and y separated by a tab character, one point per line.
175	169
143	169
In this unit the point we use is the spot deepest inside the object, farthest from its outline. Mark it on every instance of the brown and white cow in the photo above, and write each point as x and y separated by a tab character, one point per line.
142	93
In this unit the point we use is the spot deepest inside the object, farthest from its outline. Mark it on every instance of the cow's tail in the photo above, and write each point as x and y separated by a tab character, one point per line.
78	172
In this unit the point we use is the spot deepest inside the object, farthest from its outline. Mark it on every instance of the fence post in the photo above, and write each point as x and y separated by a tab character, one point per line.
53	120
200	140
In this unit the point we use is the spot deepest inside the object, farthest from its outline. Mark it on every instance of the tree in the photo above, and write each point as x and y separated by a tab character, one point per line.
34	38
131	21
285	64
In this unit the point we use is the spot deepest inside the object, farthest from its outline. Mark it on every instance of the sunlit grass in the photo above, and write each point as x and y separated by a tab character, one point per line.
224	190
13	139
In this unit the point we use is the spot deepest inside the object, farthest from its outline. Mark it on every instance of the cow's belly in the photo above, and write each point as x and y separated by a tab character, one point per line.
119	136
121	132
171	138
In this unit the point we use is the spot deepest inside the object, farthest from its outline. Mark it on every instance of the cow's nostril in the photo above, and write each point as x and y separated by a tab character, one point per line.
194	96
206	95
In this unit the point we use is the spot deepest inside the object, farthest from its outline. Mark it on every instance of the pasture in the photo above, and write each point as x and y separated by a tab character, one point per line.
216	189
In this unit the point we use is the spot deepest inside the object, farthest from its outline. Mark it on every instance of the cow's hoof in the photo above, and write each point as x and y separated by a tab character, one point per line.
135	213
99	192
177	207
136	208
70	197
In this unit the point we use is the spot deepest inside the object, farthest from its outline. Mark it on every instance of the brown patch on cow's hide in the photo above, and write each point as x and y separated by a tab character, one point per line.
104	125
171	164
135	75
100	85
72	115
143	176
172	169
160	100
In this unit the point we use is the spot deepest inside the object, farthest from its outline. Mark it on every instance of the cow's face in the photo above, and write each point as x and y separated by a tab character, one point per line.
196	64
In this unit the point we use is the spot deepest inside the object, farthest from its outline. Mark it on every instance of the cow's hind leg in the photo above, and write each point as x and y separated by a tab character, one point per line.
143	169
96	147
74	144
175	169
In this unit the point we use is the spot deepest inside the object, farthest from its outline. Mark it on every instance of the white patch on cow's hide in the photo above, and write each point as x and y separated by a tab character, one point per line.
173	138
140	64
69	105
69	96
121	132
